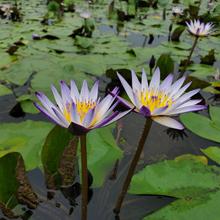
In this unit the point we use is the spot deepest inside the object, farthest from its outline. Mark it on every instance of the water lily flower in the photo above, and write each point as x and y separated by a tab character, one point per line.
159	101
177	10
7	9
200	29
85	14
80	112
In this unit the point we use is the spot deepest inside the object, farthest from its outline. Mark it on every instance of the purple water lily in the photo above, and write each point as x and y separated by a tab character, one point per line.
159	101
80	111
200	29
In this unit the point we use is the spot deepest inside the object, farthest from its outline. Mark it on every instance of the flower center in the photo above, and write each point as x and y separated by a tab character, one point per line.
154	100
82	109
67	112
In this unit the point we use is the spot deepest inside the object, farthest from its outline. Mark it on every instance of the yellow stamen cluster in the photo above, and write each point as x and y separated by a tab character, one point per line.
84	107
81	107
154	100
67	113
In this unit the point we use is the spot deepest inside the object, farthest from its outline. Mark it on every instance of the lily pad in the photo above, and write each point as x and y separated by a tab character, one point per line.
202	125
4	90
58	143
102	151
195	185
25	137
213	153
16	187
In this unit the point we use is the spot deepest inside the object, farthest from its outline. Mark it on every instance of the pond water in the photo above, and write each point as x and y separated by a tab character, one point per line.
43	43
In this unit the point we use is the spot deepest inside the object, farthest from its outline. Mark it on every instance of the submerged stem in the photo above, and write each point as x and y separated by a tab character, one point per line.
84	190
133	165
190	55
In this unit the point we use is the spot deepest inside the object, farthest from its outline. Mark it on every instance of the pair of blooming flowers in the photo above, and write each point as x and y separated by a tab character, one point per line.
83	111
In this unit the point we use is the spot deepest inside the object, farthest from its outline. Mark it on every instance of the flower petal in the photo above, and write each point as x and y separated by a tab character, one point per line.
48	115
165	85
94	91
45	102
57	97
65	92
189	103
74	92
124	102
159	111
84	95
155	81
88	118
181	91
60	117
114	117
136	86
176	86
126	87
168	122
74	114
144	82
188	109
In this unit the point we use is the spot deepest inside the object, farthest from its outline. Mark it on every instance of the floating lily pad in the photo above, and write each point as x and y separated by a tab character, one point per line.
195	185
213	153
16	187
202	125
102	151
4	90
25	137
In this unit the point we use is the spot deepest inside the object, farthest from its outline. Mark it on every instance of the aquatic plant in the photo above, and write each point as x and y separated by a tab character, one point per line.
155	102
176	10
80	113
197	29
159	101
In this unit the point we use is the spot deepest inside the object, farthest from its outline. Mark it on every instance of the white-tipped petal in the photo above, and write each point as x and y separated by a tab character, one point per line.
168	122
176	86
126	87
181	91
84	95
94	91
155	81
65	92
188	109
136	86
57	97
165	85
190	102
144	82
74	92
61	117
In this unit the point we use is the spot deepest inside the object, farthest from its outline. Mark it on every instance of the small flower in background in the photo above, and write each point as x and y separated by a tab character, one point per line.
177	10
7	10
159	101
200	29
85	14
80	112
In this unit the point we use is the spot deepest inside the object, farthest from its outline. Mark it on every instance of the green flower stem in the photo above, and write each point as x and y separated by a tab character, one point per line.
84	191
133	165
190	55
